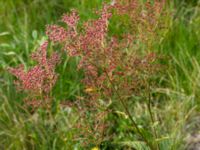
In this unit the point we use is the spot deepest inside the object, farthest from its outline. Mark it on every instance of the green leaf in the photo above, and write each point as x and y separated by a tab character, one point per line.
4	33
34	34
138	145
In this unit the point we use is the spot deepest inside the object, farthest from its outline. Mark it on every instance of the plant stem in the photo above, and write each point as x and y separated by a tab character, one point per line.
151	116
128	113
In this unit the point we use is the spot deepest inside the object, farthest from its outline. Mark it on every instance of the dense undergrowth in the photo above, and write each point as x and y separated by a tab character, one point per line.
145	95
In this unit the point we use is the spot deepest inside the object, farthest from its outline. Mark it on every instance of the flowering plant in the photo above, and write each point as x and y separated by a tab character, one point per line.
114	71
39	80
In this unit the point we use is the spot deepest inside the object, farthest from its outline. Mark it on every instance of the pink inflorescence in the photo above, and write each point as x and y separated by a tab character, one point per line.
110	70
31	80
56	33
90	45
40	79
72	19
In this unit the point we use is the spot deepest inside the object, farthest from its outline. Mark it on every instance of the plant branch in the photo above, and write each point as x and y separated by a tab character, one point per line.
128	112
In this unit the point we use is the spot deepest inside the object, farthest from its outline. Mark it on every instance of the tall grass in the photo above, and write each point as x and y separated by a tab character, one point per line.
21	32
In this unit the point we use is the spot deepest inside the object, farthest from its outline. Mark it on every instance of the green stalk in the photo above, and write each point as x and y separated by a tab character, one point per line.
151	116
129	114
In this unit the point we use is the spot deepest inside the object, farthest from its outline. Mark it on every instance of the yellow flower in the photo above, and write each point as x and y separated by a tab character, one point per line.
88	90
95	148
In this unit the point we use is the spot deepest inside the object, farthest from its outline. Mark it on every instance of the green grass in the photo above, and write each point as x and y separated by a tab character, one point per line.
22	29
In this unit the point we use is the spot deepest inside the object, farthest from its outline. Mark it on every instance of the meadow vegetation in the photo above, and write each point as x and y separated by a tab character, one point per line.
94	74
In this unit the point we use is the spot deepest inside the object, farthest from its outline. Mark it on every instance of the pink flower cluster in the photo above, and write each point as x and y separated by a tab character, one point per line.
56	33
90	44
59	34
144	18
72	19
112	68
39	80
101	57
